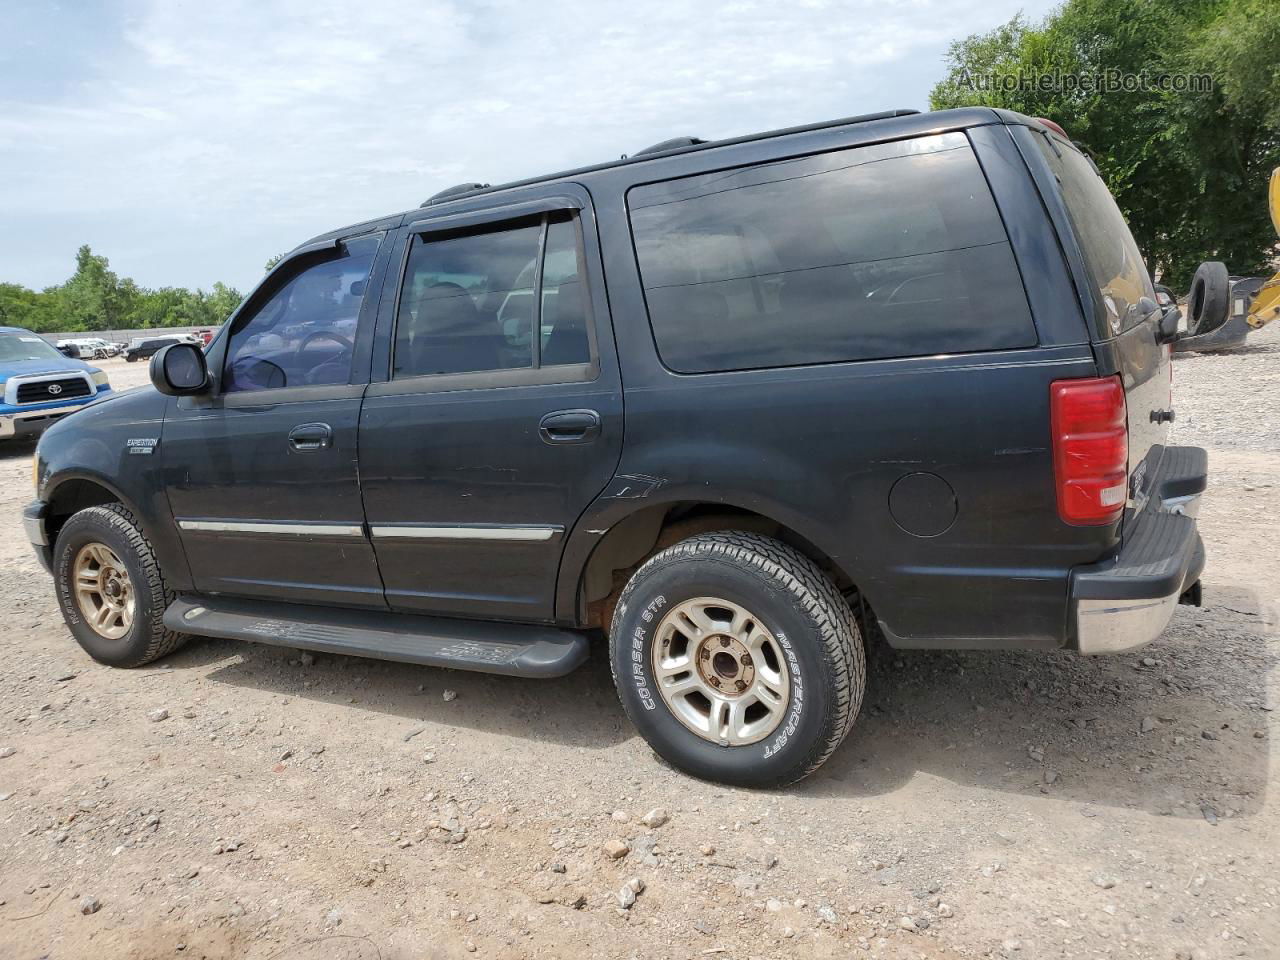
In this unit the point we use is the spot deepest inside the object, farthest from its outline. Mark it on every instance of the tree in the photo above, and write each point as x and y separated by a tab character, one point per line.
94	298
223	302
1188	167
20	307
91	299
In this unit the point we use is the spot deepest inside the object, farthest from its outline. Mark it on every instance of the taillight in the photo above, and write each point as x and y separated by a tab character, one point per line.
1090	448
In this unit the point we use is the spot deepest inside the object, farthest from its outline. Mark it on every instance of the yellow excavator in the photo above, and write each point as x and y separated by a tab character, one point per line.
1266	303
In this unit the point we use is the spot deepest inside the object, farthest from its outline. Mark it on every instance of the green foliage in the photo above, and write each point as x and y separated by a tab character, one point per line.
1189	168
94	298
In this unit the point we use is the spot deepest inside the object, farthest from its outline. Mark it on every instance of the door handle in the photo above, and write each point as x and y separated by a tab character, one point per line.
570	426
310	437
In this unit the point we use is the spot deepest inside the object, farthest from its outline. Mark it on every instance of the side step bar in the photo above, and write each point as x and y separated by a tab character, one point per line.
518	650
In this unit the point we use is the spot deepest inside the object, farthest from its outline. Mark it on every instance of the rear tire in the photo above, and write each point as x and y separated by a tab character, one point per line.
110	588
764	633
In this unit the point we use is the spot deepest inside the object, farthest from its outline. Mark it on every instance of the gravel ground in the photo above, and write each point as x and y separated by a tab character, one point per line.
242	801
1242	384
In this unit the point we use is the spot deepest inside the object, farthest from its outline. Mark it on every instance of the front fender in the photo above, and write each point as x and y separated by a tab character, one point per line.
112	444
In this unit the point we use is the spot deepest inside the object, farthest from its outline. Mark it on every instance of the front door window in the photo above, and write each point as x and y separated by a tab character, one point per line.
304	335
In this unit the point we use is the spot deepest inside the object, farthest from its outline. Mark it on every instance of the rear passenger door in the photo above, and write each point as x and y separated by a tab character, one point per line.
496	417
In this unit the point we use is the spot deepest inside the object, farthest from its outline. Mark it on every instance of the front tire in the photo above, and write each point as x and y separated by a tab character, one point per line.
110	588
737	659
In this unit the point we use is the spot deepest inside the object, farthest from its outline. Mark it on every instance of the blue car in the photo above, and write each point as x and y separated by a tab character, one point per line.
40	385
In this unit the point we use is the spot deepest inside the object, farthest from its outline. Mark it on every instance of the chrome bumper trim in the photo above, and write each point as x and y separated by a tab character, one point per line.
34	527
1117	626
8	421
1188	506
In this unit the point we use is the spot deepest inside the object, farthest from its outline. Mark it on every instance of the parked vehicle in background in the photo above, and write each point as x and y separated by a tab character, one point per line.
94	348
41	384
140	348
68	349
204	336
901	375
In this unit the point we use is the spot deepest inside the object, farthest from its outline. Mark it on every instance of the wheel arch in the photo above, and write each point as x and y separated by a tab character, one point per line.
601	556
68	492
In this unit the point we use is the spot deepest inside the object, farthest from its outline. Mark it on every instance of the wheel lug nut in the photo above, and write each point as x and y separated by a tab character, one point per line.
715	682
746	659
741	685
705	654
724	641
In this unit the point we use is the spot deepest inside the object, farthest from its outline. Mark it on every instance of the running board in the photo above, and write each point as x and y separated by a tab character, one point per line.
518	650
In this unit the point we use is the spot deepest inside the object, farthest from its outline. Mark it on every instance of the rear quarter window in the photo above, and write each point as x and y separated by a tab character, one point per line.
1116	270
890	250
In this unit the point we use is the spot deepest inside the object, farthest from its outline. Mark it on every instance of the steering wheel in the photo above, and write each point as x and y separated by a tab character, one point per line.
342	357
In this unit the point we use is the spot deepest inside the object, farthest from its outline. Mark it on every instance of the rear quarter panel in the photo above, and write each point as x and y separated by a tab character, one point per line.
820	448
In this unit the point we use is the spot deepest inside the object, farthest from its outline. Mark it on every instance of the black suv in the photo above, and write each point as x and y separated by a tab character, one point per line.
142	347
739	405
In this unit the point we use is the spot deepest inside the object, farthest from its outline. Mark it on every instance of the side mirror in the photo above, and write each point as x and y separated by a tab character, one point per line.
179	370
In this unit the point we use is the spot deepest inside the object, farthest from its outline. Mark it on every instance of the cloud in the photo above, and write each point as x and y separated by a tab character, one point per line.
198	139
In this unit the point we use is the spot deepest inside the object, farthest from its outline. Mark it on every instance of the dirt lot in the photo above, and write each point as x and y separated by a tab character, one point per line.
985	805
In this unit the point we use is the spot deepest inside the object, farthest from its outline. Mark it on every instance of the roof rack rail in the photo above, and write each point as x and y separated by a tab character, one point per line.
693	143
675	143
453	193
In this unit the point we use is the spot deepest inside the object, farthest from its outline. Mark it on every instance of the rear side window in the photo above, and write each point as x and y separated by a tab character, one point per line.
504	298
1111	255
889	250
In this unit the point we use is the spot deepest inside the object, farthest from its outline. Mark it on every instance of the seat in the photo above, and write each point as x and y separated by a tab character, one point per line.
568	342
450	335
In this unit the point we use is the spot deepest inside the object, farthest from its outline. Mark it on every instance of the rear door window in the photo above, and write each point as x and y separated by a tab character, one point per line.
890	250
509	297
1111	255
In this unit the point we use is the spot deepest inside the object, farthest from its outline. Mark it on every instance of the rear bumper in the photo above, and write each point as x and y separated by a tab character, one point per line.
1126	601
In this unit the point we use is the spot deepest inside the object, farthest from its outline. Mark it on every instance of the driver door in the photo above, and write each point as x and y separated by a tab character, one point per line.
261	473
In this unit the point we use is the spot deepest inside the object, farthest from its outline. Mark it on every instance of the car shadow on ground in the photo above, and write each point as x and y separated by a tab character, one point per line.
580	710
17	449
1168	730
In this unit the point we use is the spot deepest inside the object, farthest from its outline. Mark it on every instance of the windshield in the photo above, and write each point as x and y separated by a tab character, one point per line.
26	346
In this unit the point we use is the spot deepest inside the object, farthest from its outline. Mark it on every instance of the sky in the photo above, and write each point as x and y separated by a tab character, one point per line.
190	141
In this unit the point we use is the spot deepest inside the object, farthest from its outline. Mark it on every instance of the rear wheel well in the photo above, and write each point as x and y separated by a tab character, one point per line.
634	539
70	498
